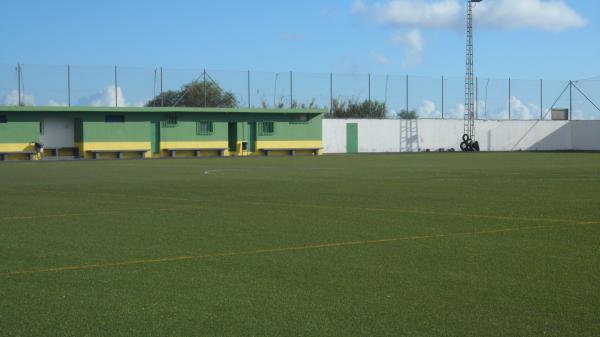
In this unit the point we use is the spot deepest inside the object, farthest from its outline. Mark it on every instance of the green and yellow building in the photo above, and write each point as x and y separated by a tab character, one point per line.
94	132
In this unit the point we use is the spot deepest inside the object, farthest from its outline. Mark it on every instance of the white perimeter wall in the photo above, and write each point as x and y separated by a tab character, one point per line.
432	134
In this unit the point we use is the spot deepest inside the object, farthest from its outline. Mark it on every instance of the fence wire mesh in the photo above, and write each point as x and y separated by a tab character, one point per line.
343	95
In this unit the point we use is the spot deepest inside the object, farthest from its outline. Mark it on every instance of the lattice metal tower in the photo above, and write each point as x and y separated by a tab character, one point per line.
468	138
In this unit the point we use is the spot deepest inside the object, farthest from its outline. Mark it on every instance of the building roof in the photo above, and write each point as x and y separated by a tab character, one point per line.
59	109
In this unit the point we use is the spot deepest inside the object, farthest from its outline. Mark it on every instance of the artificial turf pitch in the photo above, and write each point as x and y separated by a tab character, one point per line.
482	244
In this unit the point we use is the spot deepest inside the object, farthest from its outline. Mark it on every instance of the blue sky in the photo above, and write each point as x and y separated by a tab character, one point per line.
522	39
345	36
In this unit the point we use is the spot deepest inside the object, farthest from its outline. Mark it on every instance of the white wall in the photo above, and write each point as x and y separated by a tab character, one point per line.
586	135
58	132
432	134
334	136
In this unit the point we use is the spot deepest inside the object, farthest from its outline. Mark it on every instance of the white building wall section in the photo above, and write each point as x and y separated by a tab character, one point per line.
376	135
586	135
334	135
58	132
418	135
524	135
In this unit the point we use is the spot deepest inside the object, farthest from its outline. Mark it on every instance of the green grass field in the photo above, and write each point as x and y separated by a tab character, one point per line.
503	244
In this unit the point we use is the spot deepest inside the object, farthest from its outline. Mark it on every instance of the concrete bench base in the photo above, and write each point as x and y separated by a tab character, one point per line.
291	151
56	151
96	153
197	151
4	155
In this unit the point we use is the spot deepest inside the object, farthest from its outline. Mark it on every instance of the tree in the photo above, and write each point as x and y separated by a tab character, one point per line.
196	94
356	109
408	114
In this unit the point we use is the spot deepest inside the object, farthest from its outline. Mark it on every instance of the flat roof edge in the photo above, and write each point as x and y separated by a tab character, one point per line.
156	109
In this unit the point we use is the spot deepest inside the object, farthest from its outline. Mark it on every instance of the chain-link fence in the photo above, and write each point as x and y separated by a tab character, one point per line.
343	95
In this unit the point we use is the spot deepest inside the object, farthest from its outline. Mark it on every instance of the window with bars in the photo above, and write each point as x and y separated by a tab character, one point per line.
171	122
266	128
204	128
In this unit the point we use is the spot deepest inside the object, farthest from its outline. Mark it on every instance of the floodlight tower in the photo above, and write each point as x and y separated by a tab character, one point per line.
468	139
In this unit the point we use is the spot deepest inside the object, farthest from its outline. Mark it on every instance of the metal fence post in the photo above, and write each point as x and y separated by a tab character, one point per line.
442	97
477	98
69	84
249	104
331	93
116	87
407	93
541	99
385	101
291	90
19	83
162	97
370	110
570	100
509	94
204	85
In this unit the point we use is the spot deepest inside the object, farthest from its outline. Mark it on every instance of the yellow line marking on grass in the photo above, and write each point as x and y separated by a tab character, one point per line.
276	250
62	215
67	215
299	205
414	211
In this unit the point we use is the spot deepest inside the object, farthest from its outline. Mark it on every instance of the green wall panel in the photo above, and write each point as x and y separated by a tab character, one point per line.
23	124
287	128
135	128
20	128
185	129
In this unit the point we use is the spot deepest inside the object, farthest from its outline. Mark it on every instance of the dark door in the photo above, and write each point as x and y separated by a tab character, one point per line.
252	137
155	136
232	136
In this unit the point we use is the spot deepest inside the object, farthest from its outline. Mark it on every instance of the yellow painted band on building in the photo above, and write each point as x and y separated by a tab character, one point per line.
14	147
193	145
9	147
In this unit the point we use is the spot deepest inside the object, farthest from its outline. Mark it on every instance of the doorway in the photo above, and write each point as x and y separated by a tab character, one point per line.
57	132
352	138
232	136
252	137
155	136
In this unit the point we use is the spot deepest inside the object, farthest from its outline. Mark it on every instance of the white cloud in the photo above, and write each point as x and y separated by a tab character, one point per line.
413	44
546	15
381	59
55	103
457	111
358	6
428	109
521	110
12	98
414	13
538	14
105	98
